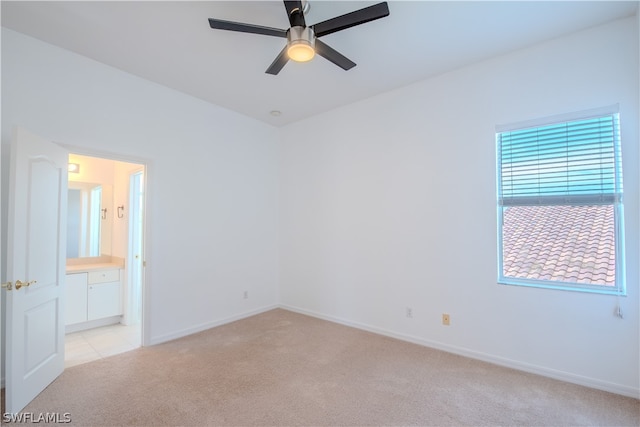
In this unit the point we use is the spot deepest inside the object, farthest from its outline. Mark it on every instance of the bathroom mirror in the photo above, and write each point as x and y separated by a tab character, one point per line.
89	219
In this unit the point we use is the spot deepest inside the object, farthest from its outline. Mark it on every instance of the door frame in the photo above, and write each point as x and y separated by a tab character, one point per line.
148	194
145	167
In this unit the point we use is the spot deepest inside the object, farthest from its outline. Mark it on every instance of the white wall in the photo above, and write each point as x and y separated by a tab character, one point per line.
92	170
123	171
391	203
212	178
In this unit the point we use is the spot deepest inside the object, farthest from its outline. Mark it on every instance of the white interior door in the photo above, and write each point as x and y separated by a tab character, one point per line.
36	260
136	218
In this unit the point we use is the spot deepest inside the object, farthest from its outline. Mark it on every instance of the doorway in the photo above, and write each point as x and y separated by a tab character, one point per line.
104	287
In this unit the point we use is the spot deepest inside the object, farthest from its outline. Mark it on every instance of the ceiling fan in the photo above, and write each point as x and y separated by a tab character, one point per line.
302	41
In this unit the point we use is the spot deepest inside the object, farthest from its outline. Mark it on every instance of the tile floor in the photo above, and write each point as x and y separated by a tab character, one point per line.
93	344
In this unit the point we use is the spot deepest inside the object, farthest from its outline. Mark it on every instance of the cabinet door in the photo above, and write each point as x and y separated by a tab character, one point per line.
75	298
104	300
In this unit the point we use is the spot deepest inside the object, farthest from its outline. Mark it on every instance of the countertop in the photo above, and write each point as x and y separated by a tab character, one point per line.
85	268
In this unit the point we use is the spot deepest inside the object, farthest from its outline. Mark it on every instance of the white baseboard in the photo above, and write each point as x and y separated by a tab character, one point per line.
209	325
496	360
113	320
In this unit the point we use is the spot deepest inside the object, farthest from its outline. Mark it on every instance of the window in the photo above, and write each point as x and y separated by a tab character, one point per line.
560	211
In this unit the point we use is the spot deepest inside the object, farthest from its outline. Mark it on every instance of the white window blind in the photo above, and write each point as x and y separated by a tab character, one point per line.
573	163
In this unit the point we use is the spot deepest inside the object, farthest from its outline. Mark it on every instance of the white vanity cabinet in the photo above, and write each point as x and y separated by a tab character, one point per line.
103	296
75	305
92	296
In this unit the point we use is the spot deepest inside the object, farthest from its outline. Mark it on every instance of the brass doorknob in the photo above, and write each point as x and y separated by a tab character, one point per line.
20	284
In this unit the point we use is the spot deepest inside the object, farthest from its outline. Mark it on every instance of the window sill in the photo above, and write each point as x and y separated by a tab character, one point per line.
563	286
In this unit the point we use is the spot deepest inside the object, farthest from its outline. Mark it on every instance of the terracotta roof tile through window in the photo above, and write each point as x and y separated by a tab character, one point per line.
561	243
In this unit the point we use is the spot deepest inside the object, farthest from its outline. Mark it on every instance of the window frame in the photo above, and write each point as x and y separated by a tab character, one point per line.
619	287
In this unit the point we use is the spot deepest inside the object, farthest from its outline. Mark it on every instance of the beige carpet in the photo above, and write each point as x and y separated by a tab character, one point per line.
283	368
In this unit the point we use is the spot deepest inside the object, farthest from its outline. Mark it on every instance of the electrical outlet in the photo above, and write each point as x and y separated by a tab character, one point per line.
409	312
445	319
246	295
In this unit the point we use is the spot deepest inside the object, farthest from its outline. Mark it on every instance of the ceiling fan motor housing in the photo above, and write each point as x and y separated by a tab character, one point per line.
301	46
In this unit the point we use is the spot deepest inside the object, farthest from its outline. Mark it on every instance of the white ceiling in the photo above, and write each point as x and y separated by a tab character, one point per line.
170	43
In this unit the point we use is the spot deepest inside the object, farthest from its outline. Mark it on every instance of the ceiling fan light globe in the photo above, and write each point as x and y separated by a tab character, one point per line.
300	51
